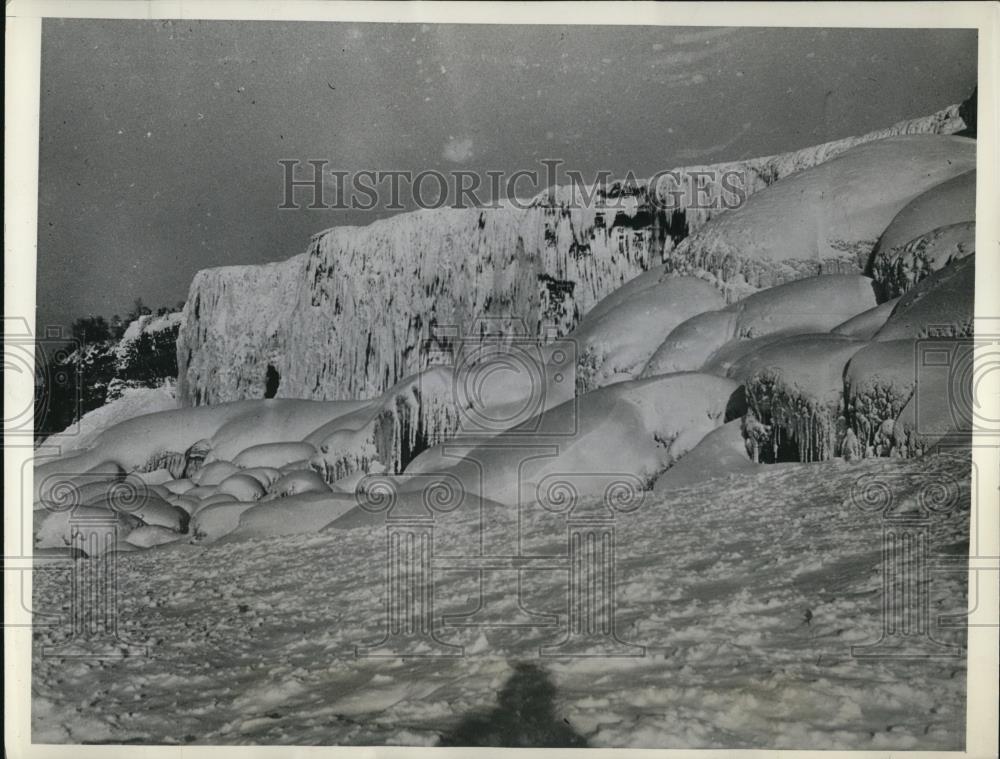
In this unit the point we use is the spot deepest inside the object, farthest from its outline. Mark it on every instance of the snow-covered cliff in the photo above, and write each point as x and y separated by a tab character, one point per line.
352	315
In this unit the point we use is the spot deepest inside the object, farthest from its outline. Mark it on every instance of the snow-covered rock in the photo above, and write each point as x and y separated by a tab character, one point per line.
950	202
296	514
615	345
867	323
632	429
813	304
297	483
795	394
243	487
274	455
878	382
722	452
57	529
149	536
941	305
275	420
898	269
826	219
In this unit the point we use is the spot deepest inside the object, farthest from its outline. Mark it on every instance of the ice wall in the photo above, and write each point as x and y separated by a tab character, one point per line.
352	315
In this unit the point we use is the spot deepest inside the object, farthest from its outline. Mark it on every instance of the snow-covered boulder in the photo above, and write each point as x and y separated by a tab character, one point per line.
941	305
813	304
265	475
274	455
615	345
795	394
149	536
416	413
896	270
633	429
952	201
243	487
826	219
867	323
297	514
878	382
217	520
56	529
274	421
722	452
161	440
296	483
179	487
213	474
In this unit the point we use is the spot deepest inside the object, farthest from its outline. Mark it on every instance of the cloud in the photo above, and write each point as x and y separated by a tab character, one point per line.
458	150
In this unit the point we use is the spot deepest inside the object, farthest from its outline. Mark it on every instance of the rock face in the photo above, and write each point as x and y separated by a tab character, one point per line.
353	315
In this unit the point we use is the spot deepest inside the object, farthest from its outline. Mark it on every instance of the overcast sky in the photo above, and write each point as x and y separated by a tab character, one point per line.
160	140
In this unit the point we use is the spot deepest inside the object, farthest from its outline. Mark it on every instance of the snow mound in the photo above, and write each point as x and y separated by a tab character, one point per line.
615	345
134	401
941	305
217	520
722	452
632	430
297	483
242	487
950	202
898	269
150	536
57	529
294	515
813	304
273	455
795	391
878	382
867	323
826	219
274	420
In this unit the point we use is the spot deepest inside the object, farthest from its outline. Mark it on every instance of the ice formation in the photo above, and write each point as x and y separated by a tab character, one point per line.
352	315
878	383
898	269
795	395
840	208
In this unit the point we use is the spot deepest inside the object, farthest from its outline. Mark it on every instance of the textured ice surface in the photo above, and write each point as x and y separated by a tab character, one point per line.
795	390
896	270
